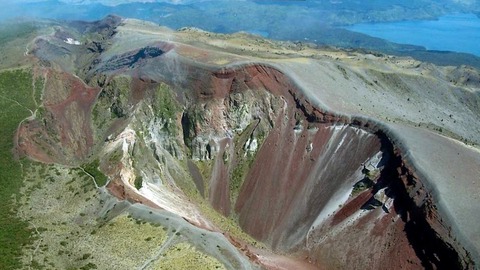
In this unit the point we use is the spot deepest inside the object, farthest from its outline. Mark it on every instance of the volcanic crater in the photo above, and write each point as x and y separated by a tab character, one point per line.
326	188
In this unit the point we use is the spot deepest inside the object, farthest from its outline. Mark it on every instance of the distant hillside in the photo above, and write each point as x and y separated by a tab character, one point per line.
305	21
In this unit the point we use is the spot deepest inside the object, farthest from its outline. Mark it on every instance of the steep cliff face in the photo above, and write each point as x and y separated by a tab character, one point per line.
174	134
314	183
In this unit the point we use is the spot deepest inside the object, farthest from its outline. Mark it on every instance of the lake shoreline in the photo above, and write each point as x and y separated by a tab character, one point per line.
455	32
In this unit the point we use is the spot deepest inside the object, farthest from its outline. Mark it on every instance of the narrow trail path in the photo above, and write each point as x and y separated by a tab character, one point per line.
91	177
163	247
33	114
18	103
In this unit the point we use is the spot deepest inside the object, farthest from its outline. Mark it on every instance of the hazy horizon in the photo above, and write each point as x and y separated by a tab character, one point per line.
313	21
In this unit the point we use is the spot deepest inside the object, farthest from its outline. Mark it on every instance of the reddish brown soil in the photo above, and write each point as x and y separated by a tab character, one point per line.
371	242
351	207
219	194
34	145
65	136
297	183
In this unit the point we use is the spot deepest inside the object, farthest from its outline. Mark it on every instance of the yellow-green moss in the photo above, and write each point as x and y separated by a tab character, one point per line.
185	256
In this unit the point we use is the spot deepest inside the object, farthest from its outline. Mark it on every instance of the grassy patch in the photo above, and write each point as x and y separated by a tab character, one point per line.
9	32
89	266
238	175
111	105
92	168
15	100
138	182
186	256
226	224
115	156
205	169
39	82
244	162
76	235
166	107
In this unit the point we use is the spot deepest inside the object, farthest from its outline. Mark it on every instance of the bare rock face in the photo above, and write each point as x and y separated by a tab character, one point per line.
207	122
172	128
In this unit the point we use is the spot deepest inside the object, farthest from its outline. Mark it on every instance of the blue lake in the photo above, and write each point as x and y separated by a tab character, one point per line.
458	32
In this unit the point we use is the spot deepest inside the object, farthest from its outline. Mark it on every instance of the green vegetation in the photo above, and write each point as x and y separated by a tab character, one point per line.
15	103
367	182
205	169
362	185
238	175
138	182
71	241
92	168
166	107
191	258
112	104
86	256
371	174
39	83
89	266
115	156
227	224
9	32
244	162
